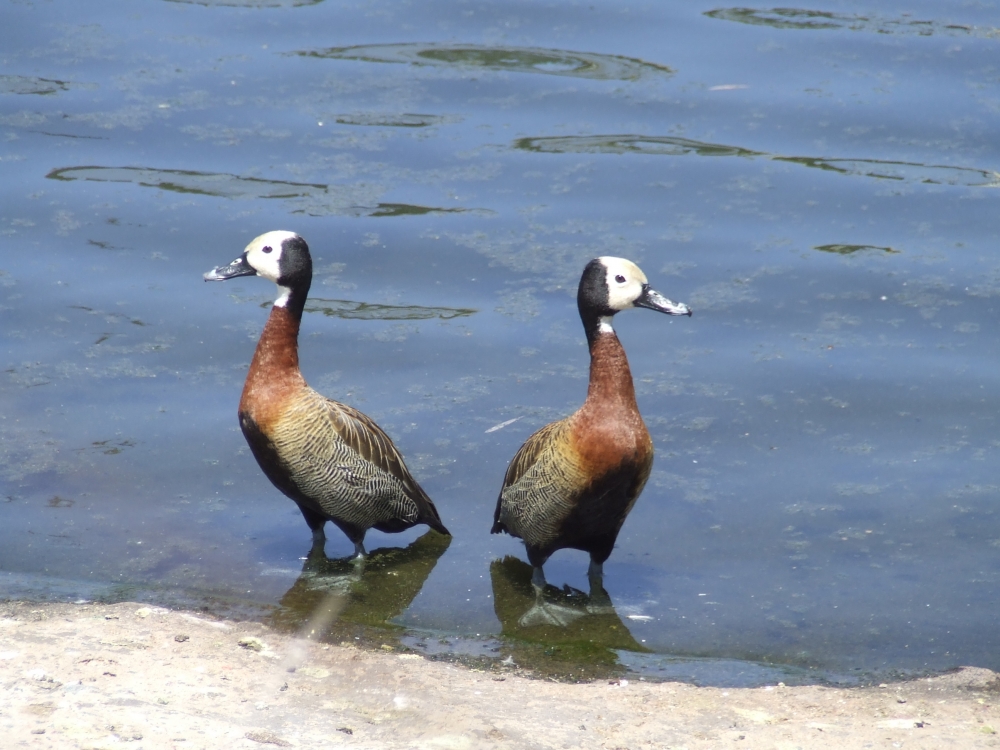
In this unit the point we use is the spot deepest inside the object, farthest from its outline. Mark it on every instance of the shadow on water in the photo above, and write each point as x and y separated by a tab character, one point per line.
312	199
508	59
807	19
567	634
337	599
881	169
562	632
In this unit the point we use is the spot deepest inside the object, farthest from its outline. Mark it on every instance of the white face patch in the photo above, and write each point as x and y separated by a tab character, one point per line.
625	281
264	253
283	293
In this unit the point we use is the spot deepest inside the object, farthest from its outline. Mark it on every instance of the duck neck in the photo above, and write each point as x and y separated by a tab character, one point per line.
610	376
277	354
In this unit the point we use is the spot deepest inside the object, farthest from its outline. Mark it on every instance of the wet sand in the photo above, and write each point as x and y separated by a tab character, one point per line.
98	676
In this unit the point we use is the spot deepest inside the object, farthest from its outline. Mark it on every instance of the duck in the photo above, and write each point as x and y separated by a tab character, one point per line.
574	481
336	463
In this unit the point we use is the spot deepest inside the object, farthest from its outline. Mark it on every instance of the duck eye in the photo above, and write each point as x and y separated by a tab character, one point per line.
620	279
266	249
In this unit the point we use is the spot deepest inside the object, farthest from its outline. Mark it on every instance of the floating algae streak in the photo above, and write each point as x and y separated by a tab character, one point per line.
901	171
342	308
510	59
313	199
216	184
850	249
798	18
881	169
32	85
384	120
408	209
664	145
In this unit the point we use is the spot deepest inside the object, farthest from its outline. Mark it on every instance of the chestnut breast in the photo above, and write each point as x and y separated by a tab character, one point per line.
608	432
274	379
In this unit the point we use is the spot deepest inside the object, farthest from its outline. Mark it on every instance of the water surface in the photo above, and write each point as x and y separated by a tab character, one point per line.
818	183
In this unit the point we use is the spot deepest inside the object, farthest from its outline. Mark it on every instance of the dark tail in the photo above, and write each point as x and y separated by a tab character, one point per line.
432	519
498	527
429	515
435	523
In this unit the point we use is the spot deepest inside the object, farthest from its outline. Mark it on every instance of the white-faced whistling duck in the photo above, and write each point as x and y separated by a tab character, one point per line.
332	460
573	482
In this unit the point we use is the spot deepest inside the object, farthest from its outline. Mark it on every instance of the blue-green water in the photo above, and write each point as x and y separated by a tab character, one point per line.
819	184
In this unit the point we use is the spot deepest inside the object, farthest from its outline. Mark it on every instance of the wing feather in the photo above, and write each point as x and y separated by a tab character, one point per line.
530	452
344	460
360	433
371	442
534	469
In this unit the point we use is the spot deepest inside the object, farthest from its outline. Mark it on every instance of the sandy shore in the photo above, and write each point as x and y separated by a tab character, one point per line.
97	676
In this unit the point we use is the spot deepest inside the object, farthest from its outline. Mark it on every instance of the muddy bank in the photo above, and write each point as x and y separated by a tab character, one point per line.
97	676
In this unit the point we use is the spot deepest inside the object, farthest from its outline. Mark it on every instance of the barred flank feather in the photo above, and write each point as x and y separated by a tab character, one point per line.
540	488
346	464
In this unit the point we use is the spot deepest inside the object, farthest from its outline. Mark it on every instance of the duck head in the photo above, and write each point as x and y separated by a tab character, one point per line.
280	256
610	285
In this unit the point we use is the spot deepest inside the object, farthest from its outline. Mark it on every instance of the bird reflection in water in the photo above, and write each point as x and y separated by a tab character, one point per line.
580	629
367	591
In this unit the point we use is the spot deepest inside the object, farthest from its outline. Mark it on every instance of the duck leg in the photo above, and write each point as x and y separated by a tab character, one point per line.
319	538
599	601
538	578
315	522
595	573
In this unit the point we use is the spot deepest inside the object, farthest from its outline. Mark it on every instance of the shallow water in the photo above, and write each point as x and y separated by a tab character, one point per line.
817	183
